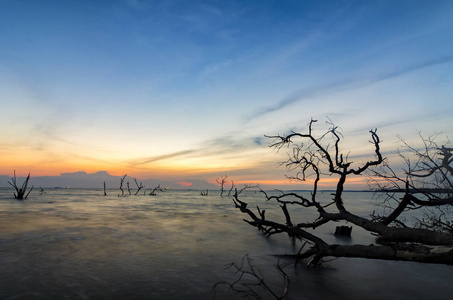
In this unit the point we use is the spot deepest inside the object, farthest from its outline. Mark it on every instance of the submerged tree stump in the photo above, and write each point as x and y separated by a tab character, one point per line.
343	231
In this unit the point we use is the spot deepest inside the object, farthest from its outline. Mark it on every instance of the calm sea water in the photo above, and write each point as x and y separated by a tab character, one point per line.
79	244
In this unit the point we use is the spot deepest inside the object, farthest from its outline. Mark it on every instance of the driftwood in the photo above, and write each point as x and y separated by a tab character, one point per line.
343	230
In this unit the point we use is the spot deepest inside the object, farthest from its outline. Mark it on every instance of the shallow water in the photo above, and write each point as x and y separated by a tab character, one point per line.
79	244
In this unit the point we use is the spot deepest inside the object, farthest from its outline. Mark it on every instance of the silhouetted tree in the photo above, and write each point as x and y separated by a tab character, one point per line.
128	189
231	188
395	239
139	186
246	187
427	185
121	185
42	191
21	193
156	189
222	181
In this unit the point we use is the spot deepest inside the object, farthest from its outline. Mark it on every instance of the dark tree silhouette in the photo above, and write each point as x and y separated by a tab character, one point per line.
42	191
139	186
155	190
222	181
121	185
395	240
245	187
427	185
21	193
231	188
129	192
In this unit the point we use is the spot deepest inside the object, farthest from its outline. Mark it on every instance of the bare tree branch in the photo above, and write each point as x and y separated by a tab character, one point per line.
427	184
121	185
222	181
139	186
251	283
21	193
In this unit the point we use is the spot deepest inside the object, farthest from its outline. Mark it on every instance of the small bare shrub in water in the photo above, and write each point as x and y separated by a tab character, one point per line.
21	193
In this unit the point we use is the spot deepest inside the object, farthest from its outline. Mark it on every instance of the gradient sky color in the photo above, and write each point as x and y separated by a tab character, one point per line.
187	89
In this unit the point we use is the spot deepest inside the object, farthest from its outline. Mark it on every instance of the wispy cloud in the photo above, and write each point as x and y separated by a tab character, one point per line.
221	146
89	158
346	84
147	160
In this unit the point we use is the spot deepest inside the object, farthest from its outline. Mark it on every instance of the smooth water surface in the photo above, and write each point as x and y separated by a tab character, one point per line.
79	244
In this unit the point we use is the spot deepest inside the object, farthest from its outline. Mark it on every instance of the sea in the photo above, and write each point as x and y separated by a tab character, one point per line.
180	244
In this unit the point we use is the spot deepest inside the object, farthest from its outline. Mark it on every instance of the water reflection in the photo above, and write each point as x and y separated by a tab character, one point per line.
78	244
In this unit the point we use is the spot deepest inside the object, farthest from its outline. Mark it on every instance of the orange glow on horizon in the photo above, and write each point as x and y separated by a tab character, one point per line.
184	183
253	172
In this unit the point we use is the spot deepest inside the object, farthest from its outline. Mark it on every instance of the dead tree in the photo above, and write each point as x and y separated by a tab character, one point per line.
156	189
427	185
121	185
105	190
222	181
231	188
204	193
21	193
129	192
246	186
395	240
42	191
139	186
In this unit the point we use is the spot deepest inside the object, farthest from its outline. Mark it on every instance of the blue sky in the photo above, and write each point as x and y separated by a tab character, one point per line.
188	88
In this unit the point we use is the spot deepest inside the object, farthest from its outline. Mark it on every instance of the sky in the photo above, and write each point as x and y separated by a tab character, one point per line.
186	90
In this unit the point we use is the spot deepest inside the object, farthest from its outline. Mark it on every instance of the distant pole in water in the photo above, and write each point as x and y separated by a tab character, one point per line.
105	192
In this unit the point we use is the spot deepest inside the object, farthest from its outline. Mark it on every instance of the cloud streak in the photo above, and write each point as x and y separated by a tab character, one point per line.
147	160
344	85
222	146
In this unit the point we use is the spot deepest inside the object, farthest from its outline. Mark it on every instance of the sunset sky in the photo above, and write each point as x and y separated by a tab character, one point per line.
183	90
